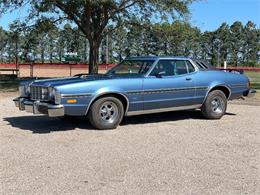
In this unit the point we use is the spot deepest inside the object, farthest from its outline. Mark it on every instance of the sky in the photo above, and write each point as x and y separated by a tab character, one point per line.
208	15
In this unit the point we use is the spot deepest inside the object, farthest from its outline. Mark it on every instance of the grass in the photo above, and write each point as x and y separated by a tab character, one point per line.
12	85
253	74
257	95
9	85
254	78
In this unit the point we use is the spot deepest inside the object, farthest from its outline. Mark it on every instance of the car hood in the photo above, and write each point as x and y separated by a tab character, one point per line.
68	80
77	79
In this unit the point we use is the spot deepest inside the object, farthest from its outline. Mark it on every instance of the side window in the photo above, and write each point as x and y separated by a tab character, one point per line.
164	68
172	68
181	67
190	67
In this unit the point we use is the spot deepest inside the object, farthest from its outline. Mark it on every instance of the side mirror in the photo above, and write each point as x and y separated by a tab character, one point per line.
160	74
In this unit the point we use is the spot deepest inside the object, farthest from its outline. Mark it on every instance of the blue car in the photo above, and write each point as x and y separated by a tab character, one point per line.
137	85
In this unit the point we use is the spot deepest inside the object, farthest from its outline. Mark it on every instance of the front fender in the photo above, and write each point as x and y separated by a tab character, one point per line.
106	91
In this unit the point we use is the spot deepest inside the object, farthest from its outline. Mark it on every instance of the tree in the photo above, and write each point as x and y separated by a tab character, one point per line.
46	34
209	47
3	43
224	39
237	39
251	45
93	16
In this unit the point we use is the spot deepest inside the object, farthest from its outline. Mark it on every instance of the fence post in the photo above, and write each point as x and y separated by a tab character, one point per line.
18	73
70	69
31	70
225	65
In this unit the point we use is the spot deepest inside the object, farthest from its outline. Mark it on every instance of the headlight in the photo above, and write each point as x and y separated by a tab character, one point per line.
54	95
57	97
45	93
24	90
50	91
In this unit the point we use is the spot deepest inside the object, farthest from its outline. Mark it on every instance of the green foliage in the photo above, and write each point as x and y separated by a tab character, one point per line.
236	44
44	42
121	28
93	16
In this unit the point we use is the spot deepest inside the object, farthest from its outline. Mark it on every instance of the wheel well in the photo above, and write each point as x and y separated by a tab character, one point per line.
121	97
224	89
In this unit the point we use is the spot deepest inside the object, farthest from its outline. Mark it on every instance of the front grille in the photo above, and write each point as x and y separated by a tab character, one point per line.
39	93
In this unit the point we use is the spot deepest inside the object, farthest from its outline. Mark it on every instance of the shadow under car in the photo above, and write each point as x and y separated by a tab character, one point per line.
43	124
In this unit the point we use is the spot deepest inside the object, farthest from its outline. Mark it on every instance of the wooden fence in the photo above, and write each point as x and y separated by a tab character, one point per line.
50	70
62	70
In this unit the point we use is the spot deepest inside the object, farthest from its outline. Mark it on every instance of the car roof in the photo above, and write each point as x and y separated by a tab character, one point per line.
157	58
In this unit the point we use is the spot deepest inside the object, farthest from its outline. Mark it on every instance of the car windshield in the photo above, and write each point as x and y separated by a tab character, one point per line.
131	68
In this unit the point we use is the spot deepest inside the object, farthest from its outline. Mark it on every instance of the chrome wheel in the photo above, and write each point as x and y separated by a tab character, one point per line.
217	105
108	112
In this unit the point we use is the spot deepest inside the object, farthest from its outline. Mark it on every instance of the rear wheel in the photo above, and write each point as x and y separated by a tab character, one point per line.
106	113
215	105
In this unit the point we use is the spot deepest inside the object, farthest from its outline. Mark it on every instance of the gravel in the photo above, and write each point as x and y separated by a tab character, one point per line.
169	153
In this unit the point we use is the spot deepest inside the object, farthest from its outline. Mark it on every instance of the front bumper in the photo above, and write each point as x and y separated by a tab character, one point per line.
37	107
250	93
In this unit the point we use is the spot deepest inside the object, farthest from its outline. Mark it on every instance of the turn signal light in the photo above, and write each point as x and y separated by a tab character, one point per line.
71	101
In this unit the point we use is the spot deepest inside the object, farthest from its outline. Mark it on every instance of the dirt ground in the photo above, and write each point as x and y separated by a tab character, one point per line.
169	153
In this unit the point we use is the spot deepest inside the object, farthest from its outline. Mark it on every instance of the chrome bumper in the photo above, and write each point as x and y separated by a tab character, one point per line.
37	107
250	93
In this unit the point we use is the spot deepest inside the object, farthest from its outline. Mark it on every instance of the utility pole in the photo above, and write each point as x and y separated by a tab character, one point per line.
16	54
107	51
225	65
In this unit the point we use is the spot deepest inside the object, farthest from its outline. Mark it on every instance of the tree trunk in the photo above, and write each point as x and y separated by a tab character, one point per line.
60	55
165	49
42	55
42	50
16	53
86	51
93	56
51	51
51	57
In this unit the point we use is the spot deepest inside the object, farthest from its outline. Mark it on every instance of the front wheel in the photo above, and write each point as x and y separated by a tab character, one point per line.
106	113
215	105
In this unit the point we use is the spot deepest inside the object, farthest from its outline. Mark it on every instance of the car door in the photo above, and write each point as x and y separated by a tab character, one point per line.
170	84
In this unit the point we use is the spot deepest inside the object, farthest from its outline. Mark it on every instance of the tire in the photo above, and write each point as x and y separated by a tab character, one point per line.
106	113
215	105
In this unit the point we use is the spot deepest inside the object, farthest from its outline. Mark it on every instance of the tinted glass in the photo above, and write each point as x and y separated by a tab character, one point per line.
164	68
190	67
172	68
131	67
181	67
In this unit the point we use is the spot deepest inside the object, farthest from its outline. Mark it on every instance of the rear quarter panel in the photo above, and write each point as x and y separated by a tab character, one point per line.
236	83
